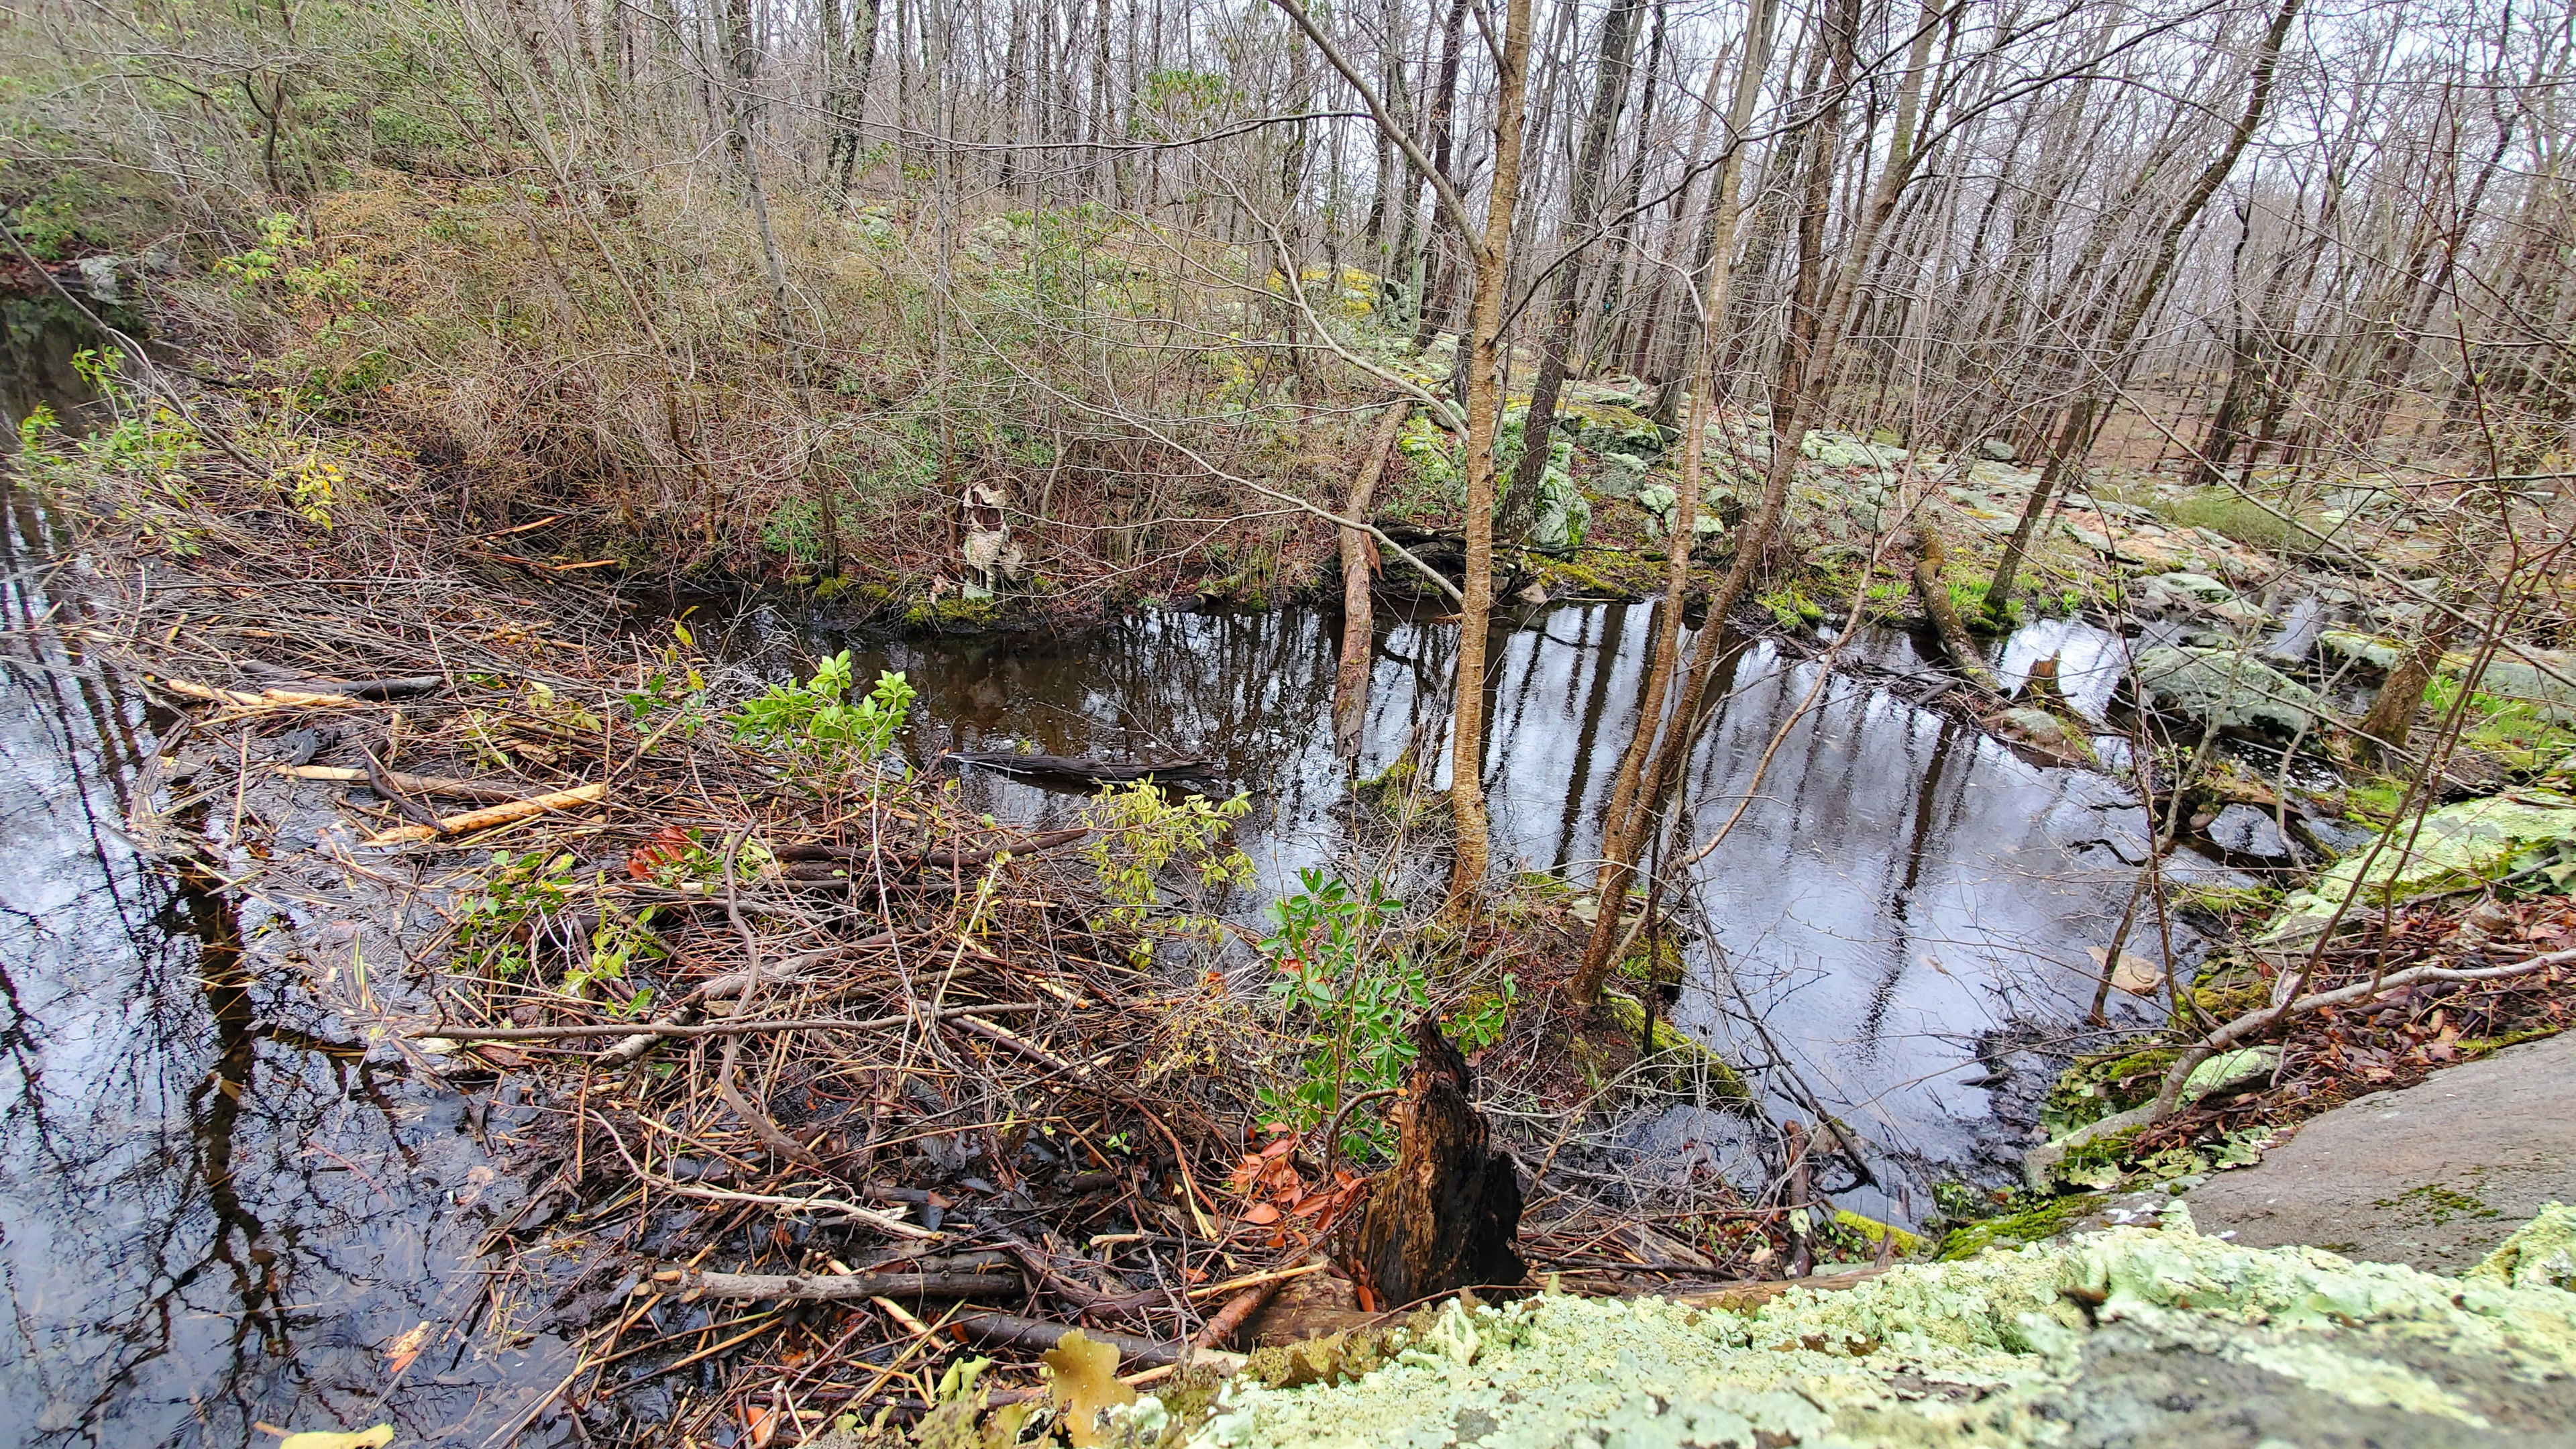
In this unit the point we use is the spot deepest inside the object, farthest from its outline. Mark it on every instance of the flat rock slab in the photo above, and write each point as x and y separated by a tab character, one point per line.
2432	1176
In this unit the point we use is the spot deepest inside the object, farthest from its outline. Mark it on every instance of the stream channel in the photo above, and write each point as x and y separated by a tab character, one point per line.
218	1210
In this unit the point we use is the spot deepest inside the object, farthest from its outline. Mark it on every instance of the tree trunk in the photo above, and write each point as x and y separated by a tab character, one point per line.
1609	97
1359	630
2077	432
1482	358
2391	719
1620	835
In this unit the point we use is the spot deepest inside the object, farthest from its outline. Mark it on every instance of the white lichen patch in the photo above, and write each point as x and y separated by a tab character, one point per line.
2011	1348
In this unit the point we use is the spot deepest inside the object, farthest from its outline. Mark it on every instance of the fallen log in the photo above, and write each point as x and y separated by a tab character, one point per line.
473	820
1098	772
408	784
817	1288
1956	641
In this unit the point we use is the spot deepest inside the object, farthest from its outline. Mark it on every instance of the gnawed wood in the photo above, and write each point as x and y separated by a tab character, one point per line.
485	819
1447	1214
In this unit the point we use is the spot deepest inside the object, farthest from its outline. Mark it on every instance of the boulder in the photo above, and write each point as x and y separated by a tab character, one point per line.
2249	830
2228	686
2458	845
1997	450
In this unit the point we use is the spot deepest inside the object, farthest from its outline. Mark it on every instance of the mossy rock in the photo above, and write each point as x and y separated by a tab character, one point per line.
2031	1225
1686	1061
954	613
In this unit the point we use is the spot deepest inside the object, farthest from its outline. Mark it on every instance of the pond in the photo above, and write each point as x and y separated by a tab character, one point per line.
220	1209
1902	909
216	1209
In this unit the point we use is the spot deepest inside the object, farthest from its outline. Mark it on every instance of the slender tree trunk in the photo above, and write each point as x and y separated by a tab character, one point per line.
1444	103
1484	407
1609	97
1359	631
1620	835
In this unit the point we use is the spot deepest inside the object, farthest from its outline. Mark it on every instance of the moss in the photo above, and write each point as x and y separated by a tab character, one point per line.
954	613
1872	1232
2478	1046
1334	1358
2031	1225
1687	1063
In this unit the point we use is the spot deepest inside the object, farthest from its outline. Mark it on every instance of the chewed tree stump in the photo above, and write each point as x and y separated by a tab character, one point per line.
1447	1214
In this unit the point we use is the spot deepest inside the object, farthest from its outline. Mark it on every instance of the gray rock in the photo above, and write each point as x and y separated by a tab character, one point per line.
2035	725
2227	686
1997	450
2249	831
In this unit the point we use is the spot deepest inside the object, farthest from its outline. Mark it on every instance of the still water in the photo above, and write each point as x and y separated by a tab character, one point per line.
1903	904
217	1206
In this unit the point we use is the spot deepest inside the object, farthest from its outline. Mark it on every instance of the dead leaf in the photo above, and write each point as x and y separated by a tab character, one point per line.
400	1353
668	847
762	1422
375	1438
2135	974
1083	1380
1261	1214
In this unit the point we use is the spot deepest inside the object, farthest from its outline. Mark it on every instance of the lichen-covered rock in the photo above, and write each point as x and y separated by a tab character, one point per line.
2227	685
2457	845
2129	1336
2540	1254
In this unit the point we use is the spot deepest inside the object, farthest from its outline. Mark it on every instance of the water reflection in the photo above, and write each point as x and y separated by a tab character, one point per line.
1898	884
215	1208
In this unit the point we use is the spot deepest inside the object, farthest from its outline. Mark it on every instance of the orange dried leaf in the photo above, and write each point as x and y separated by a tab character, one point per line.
400	1353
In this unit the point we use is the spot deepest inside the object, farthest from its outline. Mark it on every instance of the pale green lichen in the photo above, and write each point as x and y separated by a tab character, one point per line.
2540	1254
2456	845
2128	1335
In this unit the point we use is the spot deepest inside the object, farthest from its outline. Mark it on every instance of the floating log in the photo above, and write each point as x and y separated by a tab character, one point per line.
1447	1215
1098	772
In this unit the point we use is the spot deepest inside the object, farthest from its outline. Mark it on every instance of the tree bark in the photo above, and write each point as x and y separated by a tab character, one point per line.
1359	630
2075	435
1484	406
1609	97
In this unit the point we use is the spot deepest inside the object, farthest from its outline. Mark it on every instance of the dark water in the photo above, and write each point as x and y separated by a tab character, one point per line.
1900	891
217	1206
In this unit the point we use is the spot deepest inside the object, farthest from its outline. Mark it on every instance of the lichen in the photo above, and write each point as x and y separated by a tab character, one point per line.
2141	1327
2540	1254
2456	845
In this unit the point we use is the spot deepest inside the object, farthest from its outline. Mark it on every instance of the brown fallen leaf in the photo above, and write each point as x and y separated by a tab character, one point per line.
400	1353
